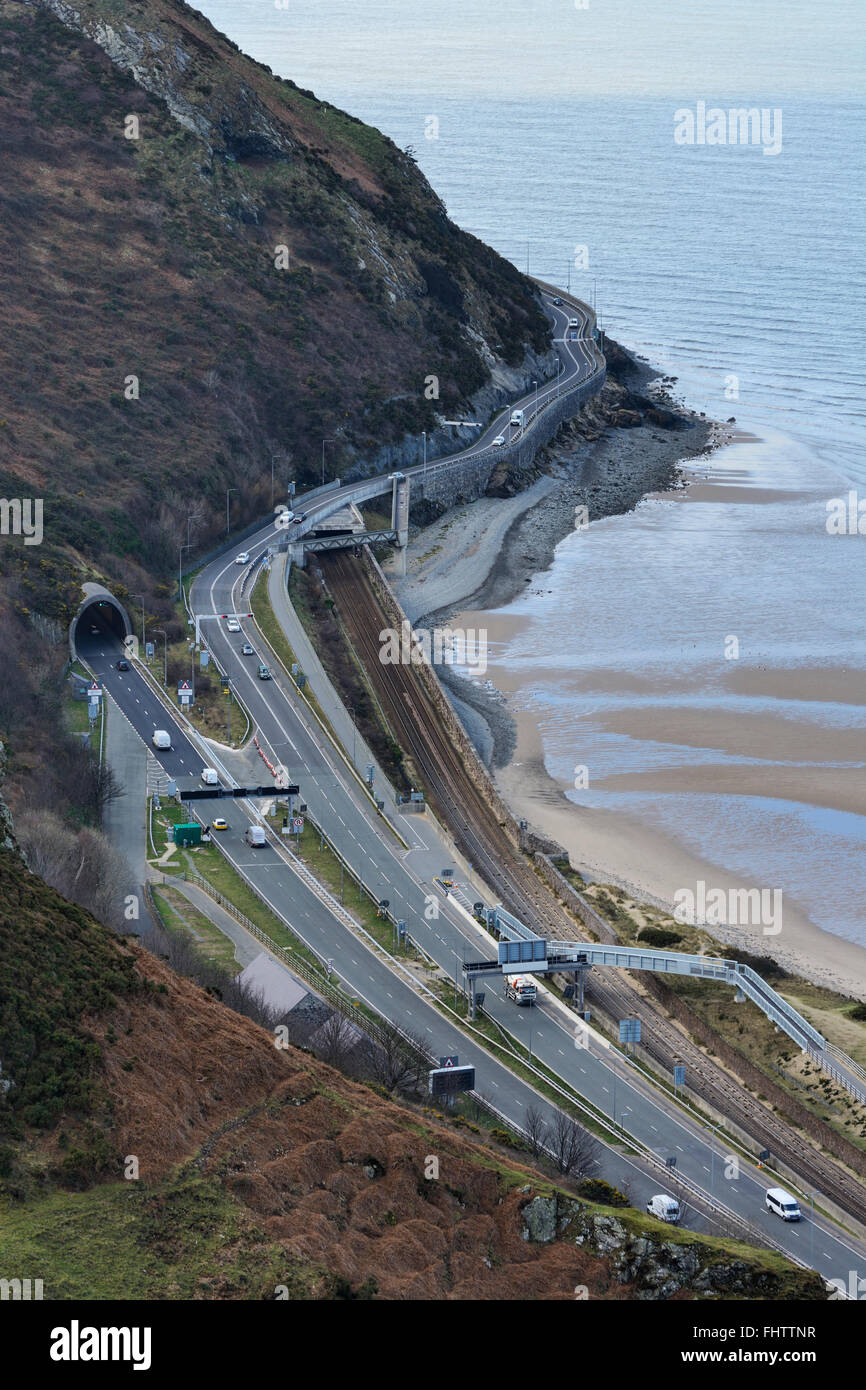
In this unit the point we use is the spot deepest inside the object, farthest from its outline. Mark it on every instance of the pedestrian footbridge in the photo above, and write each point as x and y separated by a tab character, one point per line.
521	951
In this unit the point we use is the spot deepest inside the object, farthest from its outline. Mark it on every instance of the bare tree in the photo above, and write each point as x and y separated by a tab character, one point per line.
82	865
535	1128
398	1063
335	1040
574	1148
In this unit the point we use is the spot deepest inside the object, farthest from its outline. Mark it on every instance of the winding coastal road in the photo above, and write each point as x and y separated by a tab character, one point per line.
405	873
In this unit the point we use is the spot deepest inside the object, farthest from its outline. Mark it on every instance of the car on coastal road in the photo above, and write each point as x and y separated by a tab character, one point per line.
122	665
574	323
218	823
557	299
243	558
499	440
233	625
263	673
161	738
247	650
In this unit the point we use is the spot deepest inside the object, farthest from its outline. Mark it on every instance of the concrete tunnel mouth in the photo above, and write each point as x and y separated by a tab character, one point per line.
101	610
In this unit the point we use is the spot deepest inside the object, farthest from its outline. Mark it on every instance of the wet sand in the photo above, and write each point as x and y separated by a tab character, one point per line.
487	553
613	848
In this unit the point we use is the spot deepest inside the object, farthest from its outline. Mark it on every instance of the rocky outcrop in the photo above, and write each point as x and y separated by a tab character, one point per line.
660	1265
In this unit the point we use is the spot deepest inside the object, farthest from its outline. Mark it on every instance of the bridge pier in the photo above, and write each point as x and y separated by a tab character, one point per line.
400	516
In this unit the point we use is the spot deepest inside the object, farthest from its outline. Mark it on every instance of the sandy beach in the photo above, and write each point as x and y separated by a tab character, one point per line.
472	563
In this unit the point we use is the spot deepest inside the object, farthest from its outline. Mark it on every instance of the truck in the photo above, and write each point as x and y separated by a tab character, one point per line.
520	988
518	418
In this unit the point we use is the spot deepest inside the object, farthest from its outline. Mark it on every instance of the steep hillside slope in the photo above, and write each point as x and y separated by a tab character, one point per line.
206	271
155	1144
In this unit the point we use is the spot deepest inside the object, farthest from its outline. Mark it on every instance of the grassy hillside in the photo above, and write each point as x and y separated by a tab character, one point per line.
157	1145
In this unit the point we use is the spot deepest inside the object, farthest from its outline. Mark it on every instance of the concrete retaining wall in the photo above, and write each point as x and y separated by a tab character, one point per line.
446	483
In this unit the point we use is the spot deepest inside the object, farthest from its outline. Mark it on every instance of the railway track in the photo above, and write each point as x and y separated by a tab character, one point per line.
416	724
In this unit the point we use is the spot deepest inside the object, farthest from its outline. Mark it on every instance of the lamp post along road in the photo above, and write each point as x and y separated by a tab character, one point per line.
141	596
181	548
324	442
229	491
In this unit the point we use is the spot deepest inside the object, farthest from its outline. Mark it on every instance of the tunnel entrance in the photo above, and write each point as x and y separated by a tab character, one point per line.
101	618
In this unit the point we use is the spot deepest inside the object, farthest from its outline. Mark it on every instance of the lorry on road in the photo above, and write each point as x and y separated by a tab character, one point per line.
520	988
518	418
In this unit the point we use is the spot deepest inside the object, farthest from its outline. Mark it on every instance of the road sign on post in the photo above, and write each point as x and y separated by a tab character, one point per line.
447	1081
629	1030
679	1076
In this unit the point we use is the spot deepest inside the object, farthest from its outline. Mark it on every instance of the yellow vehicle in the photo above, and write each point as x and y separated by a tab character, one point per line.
219	823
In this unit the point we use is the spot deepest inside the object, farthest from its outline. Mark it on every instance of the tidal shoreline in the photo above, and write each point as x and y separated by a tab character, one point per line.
484	554
476	560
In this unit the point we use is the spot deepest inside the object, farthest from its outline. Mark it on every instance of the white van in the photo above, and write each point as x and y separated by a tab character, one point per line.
210	776
664	1207
161	738
783	1204
255	837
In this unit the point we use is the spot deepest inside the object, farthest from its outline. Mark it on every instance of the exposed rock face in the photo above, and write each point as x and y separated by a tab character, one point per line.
158	63
658	1266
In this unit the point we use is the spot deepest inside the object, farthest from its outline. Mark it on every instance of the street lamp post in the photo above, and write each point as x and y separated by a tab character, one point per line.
713	1161
162	633
351	709
535	384
229	490
181	548
324	442
811	1197
424	433
141	596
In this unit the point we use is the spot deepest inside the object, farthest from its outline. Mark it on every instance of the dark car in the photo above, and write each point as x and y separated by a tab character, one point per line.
122	665
557	299
302	516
